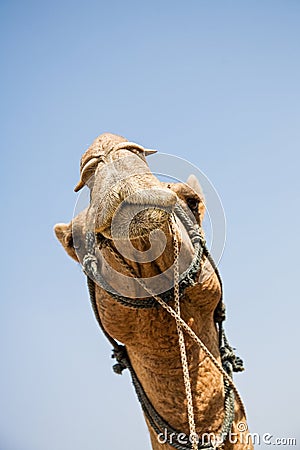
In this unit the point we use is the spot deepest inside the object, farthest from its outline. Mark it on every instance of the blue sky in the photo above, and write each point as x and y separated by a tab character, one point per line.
216	83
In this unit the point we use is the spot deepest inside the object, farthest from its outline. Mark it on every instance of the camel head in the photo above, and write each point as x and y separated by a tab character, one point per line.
123	191
113	240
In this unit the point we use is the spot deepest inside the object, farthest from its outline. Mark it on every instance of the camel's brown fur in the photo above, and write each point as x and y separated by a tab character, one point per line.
150	335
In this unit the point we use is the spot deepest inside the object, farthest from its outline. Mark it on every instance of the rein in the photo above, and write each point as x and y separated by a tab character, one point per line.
230	362
186	279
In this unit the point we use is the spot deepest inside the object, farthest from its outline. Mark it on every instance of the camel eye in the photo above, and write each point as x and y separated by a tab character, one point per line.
192	203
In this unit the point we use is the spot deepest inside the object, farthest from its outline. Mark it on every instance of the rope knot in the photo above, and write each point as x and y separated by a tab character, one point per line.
230	361
238	364
120	354
90	265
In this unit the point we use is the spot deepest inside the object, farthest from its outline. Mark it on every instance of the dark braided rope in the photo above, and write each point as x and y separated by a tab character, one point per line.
227	354
90	266
155	419
229	361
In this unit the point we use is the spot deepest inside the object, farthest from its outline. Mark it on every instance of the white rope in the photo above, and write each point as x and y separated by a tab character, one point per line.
196	339
188	330
183	355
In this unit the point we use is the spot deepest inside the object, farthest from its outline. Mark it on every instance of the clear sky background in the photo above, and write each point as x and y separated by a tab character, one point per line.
215	82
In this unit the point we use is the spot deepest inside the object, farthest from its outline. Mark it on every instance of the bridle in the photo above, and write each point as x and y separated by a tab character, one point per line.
230	362
187	278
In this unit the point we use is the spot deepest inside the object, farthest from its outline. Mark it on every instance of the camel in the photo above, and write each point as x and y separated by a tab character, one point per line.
130	211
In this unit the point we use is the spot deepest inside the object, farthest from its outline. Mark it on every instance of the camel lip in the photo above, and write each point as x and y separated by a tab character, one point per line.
154	197
145	206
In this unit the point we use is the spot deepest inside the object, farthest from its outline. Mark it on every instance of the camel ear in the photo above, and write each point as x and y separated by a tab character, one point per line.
193	182
64	234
